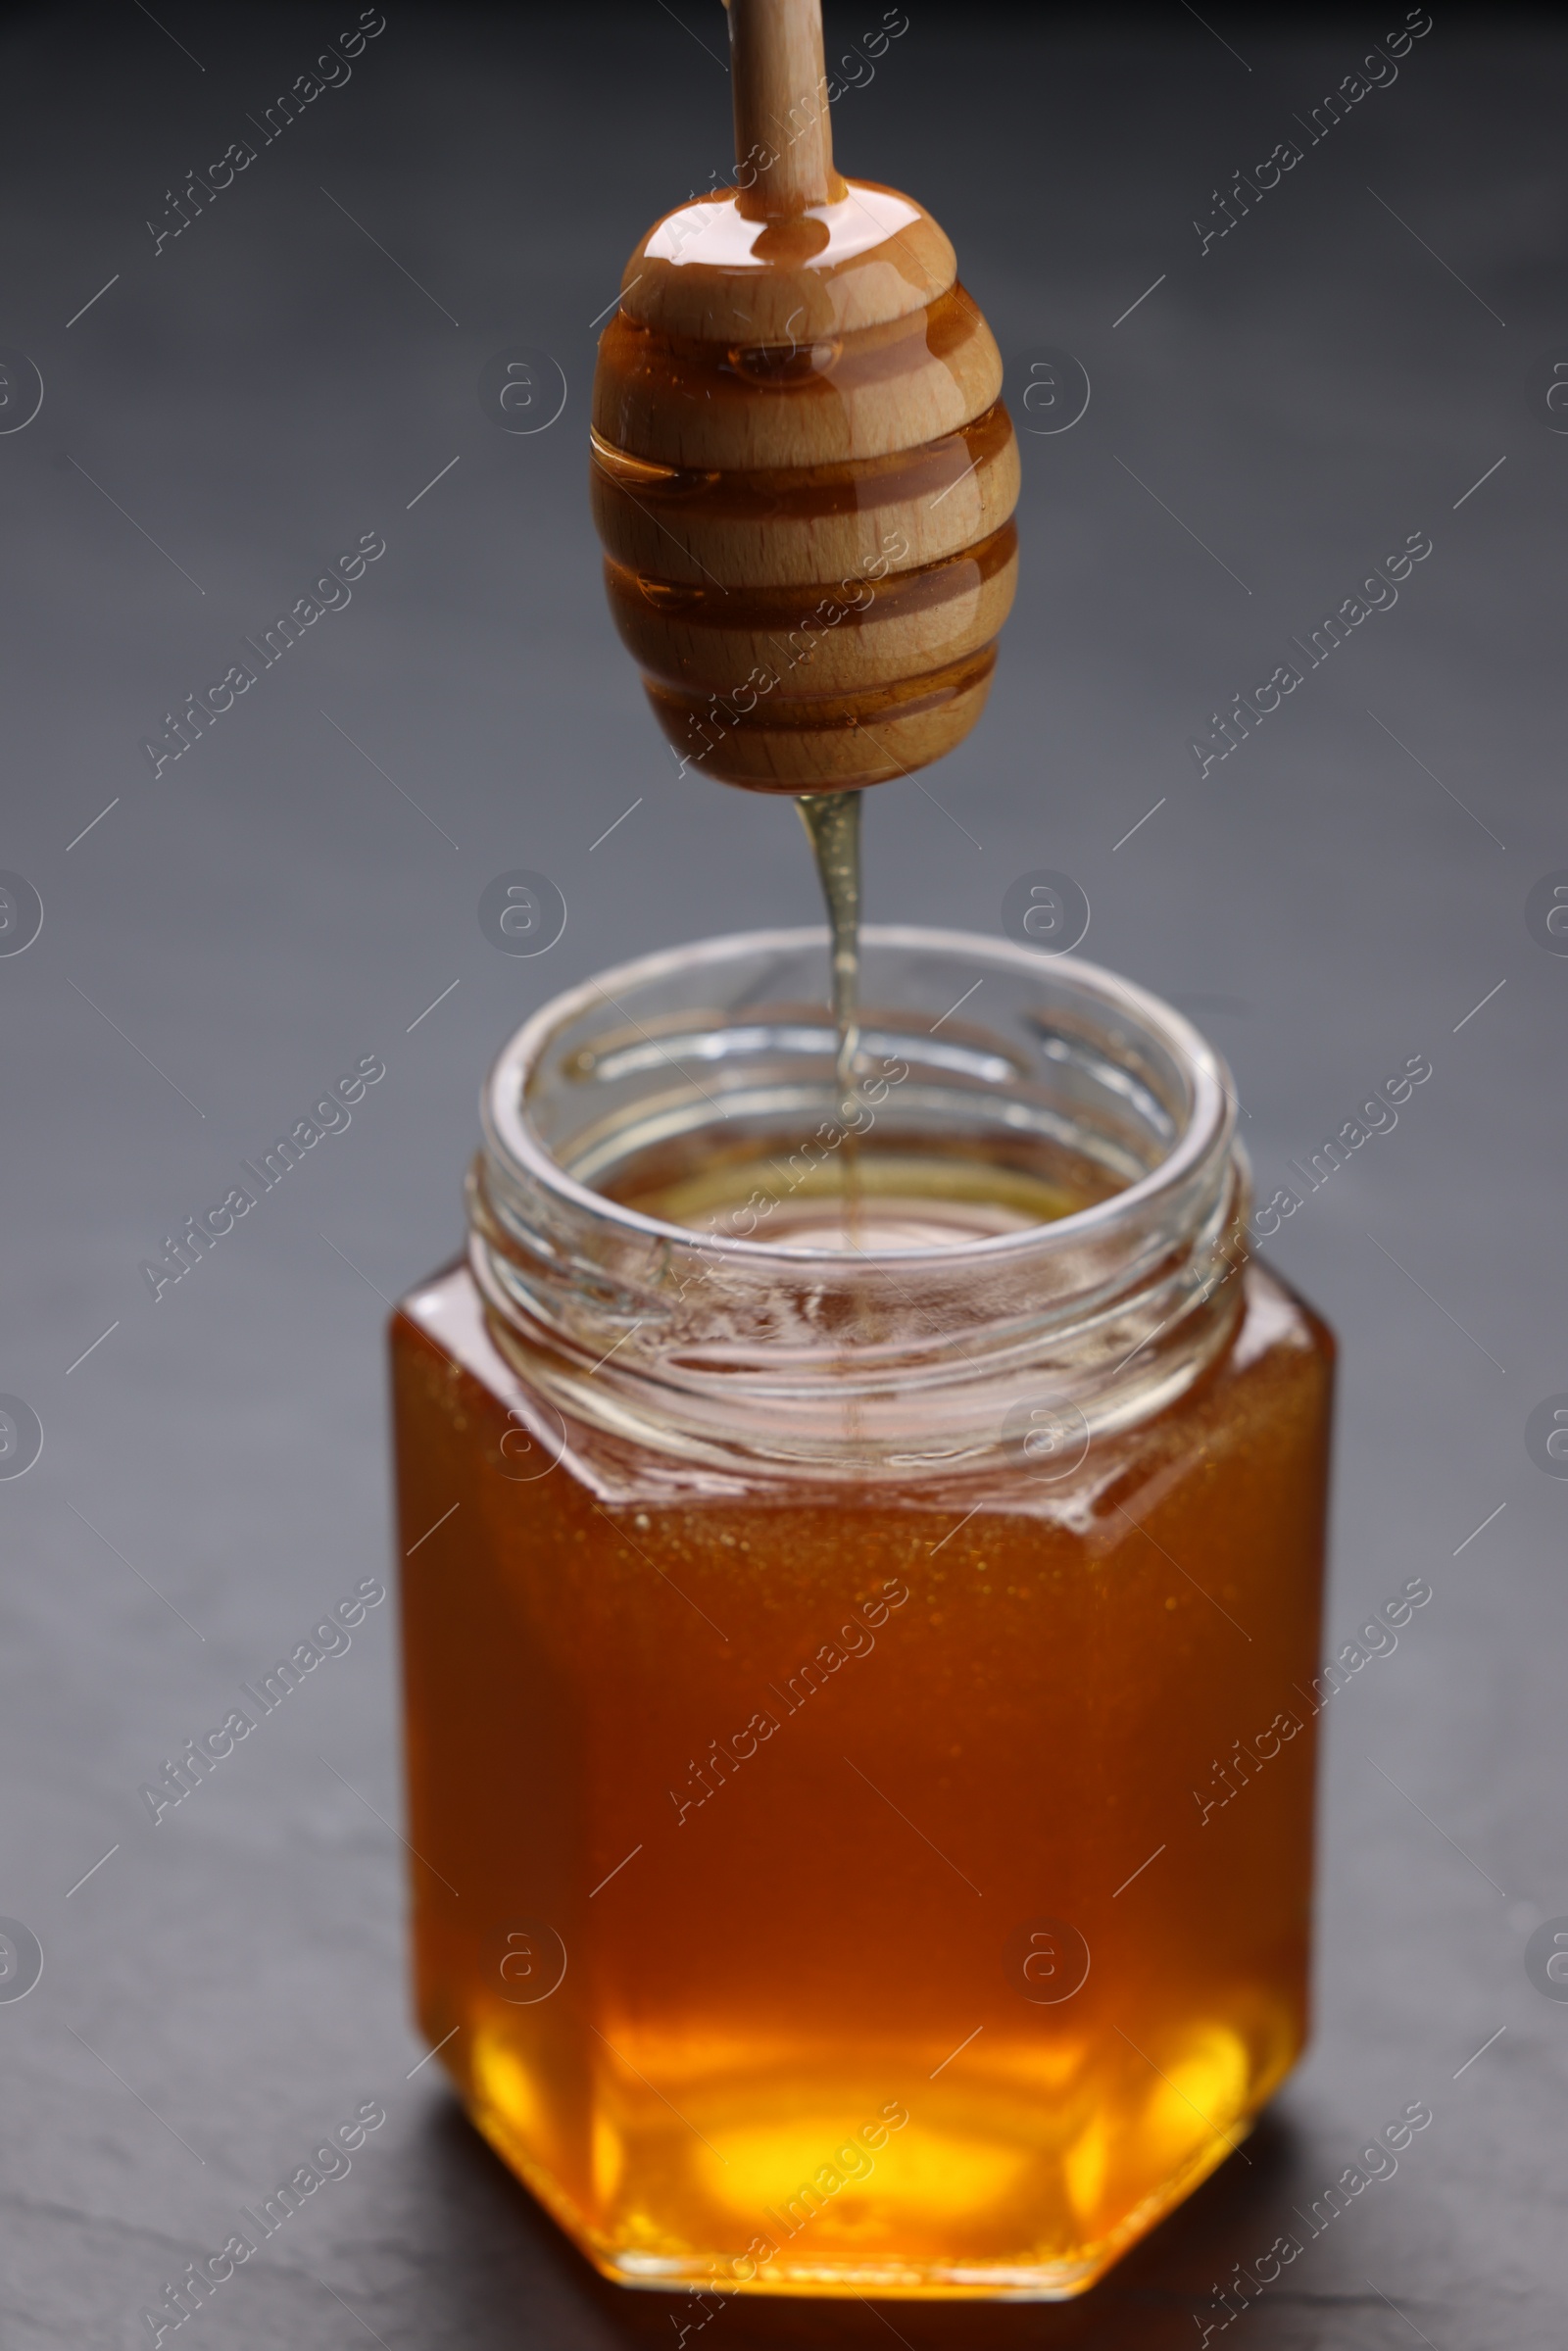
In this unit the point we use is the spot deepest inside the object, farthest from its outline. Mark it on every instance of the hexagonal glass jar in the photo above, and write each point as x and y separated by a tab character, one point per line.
860	1571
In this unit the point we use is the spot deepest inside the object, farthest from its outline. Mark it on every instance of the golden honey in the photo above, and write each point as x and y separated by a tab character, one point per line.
863	1821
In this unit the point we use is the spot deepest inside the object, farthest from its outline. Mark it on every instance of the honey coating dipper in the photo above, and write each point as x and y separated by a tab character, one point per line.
803	472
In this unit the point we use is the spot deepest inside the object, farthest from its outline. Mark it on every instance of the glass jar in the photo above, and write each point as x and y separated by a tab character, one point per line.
862	1566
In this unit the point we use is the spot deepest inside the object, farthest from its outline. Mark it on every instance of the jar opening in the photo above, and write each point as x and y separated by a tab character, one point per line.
1035	1156
605	1096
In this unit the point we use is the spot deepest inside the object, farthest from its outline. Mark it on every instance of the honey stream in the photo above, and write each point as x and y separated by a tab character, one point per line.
832	821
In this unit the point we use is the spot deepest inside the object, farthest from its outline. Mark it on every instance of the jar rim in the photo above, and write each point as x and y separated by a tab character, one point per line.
1207	1129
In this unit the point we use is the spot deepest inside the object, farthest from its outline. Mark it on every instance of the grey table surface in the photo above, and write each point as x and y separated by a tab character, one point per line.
1363	356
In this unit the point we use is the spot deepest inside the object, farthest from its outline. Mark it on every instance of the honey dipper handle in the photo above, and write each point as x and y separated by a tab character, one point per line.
783	137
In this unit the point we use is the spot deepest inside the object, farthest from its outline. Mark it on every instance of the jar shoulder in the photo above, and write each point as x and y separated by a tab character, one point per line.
1269	1394
1275	1372
1276	1320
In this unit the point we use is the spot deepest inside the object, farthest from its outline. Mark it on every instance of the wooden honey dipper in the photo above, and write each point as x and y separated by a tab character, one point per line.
803	472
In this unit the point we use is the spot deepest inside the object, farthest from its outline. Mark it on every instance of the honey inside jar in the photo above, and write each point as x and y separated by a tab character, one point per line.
861	1761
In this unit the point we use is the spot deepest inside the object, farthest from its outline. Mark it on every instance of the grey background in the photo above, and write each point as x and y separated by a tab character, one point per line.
268	387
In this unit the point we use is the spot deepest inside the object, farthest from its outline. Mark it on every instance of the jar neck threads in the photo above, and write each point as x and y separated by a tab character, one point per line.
1060	1151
